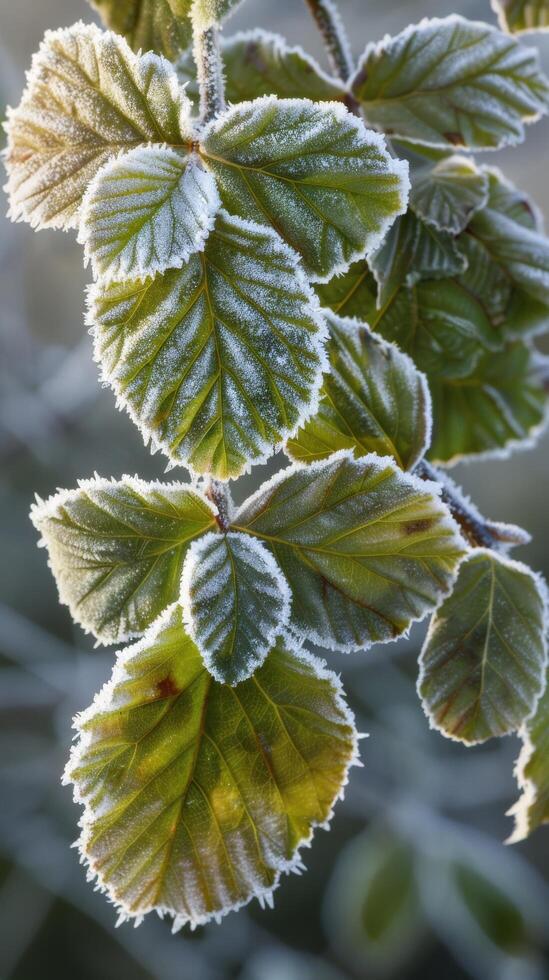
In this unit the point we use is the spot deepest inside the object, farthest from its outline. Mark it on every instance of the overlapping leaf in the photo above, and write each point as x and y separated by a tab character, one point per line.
447	192
220	361
88	98
374	400
259	63
147	212
522	15
500	405
365	548
236	603
483	662
116	550
451	82
313	171
532	771
198	795
149	25
207	13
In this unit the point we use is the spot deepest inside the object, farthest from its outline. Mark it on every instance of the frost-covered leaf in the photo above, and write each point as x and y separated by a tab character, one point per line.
313	171
451	82
506	228
236	602
199	795
483	662
146	212
220	361
440	324
352	294
258	63
449	193
532	771
116	549
522	15
414	250
207	13
374	400
365	548
88	98
500	406
149	25
373	911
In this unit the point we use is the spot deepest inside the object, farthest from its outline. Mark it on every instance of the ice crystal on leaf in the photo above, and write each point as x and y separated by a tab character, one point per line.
199	795
532	772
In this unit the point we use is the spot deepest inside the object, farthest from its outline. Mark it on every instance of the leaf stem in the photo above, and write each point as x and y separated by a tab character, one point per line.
209	69
478	531
219	495
336	42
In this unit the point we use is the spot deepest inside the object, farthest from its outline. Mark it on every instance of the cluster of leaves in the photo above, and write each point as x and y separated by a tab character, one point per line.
275	274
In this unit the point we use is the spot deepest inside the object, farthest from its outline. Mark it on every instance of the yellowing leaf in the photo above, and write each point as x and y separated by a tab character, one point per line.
374	400
483	662
220	361
149	25
522	15
365	548
451	82
313	171
88	98
198	795
116	549
147	212
207	13
236	602
532	772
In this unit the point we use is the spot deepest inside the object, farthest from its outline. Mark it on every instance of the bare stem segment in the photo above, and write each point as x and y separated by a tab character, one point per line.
210	73
336	42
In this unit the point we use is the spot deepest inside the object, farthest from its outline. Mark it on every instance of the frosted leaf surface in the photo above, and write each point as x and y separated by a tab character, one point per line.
483	662
146	212
353	294
448	193
522	15
452	82
236	602
501	405
116	549
374	400
149	25
220	361
326	183
258	63
199	795
88	98
507	229
532	771
414	250
365	548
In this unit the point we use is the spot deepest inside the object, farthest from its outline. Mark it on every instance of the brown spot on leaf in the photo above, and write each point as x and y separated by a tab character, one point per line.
416	527
167	688
456	139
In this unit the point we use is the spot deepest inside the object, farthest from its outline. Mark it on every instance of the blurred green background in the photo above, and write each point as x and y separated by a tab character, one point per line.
413	880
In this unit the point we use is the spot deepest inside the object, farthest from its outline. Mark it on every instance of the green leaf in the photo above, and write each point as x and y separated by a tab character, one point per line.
149	25
414	250
116	549
525	316
236	602
522	15
208	13
220	361
500	406
532	772
440	324
352	294
258	63
313	171
486	281
199	795
147	212
483	662
506	228
365	548
374	400
451	82
373	911
88	98
448	194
